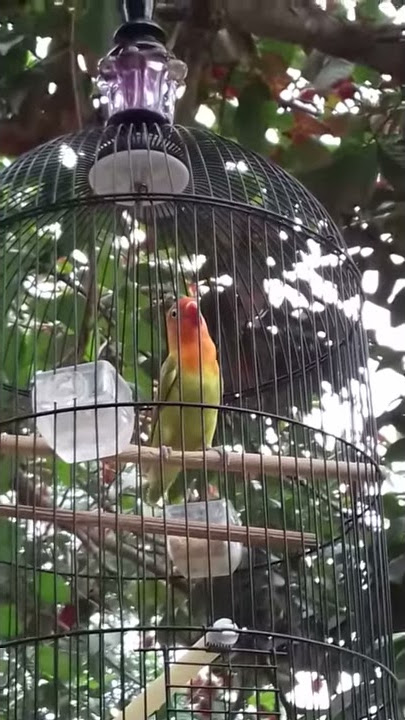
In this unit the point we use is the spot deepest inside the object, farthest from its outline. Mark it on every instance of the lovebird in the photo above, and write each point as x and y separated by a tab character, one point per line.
193	358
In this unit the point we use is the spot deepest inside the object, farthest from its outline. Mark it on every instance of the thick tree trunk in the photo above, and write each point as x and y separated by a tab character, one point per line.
381	47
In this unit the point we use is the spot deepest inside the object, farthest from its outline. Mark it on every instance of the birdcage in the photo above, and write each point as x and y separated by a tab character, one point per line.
252	581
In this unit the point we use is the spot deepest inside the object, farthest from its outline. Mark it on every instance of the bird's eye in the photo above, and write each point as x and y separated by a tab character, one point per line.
173	313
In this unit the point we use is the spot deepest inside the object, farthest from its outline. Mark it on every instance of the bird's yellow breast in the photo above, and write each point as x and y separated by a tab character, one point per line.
192	428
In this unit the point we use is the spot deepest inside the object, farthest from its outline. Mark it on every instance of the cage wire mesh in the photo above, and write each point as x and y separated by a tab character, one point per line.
98	592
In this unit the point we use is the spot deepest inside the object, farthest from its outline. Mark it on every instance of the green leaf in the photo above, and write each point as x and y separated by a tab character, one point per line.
263	700
52	347
389	359
331	71
137	331
7	41
26	358
97	26
63	472
128	503
53	589
9	541
145	386
267	700
284	50
400	664
7	474
90	351
397	308
39	6
362	74
13	63
396	452
369	10
70	309
53	664
348	180
396	569
284	121
92	684
8	621
107	267
147	595
392	509
226	120
399	423
391	156
13	348
63	266
306	157
399	652
255	113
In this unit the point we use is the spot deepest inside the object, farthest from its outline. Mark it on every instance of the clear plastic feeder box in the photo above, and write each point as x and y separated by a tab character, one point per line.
83	435
198	557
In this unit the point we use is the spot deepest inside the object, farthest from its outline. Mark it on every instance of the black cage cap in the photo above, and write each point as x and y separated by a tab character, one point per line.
140	30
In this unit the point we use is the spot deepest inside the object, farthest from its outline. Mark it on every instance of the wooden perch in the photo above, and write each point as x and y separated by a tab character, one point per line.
179	673
159	526
255	464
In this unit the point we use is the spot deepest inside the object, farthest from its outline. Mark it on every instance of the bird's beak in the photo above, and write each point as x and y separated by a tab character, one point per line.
192	312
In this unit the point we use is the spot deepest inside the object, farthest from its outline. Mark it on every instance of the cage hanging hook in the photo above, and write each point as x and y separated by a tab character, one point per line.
137	9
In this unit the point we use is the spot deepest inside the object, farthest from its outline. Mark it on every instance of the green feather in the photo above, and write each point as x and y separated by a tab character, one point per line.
181	429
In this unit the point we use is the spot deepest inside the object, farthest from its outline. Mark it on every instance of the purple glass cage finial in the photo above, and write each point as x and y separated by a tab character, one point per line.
140	75
141	78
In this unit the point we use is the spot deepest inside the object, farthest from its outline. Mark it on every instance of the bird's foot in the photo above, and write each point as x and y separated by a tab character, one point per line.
223	454
166	452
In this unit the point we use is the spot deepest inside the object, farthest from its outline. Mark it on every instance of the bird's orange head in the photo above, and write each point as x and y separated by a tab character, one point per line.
185	317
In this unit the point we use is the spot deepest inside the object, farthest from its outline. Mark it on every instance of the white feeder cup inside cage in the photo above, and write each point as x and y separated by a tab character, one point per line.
138	171
140	81
198	557
81	435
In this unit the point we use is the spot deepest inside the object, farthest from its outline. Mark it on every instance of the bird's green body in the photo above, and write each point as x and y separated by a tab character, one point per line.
182	428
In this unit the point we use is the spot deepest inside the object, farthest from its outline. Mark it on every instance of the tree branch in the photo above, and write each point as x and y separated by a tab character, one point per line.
193	44
381	47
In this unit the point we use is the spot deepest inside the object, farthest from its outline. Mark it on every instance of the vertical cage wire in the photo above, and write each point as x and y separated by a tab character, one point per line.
93	607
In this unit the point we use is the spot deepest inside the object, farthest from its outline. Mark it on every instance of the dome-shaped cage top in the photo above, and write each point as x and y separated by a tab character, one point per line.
280	293
219	169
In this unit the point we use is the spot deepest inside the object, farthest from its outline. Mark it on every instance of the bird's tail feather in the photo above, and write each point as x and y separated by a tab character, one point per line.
159	481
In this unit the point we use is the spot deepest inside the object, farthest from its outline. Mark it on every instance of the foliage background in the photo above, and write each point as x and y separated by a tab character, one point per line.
258	73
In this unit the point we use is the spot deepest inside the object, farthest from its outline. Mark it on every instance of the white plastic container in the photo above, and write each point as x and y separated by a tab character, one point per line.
196	557
83	435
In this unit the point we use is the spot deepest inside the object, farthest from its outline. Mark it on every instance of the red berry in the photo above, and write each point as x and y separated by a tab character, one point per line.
382	183
108	473
344	89
307	94
317	684
347	92
68	616
197	682
218	72
230	92
42	495
204	702
149	641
